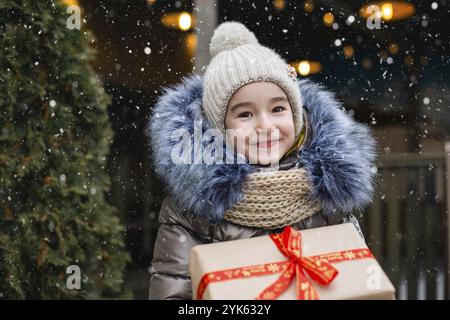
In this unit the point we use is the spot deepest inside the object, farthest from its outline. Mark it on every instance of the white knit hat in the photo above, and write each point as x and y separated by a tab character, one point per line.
238	59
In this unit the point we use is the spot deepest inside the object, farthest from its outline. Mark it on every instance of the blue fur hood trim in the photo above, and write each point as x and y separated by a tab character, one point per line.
339	158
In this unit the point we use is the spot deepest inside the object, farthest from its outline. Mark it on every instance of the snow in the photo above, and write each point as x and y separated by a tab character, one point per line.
350	20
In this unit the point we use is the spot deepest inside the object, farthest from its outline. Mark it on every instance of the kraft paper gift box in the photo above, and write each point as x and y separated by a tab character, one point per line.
221	268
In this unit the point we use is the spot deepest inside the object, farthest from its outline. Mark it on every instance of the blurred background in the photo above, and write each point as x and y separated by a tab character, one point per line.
394	76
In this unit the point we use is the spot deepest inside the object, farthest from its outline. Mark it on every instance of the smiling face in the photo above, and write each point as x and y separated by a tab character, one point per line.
261	118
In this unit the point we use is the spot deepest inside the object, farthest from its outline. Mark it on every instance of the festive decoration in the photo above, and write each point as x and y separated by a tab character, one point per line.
289	242
328	19
389	11
307	67
71	2
279	4
178	20
348	51
327	263
308	6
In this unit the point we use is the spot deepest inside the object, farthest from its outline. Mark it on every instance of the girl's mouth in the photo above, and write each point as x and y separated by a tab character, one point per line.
267	144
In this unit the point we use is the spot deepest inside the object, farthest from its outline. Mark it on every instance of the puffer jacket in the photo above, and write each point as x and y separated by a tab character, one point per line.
338	157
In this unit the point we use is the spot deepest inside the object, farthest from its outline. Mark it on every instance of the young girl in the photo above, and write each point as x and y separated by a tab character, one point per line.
306	162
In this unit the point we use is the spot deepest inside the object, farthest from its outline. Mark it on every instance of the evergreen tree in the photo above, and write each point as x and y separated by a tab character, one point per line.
54	140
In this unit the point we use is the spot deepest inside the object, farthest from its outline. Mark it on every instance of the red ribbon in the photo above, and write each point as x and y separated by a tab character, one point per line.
289	242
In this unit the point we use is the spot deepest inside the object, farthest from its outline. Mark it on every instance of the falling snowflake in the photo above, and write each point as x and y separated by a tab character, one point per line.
350	20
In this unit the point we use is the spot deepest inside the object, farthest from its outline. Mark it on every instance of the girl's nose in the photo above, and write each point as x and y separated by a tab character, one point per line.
264	124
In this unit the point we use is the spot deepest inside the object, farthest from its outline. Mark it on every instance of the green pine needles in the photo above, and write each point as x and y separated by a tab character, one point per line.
54	141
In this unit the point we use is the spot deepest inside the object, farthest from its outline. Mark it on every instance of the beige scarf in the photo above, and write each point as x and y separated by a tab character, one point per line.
274	200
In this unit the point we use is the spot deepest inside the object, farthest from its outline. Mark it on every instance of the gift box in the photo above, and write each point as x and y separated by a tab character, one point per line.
329	263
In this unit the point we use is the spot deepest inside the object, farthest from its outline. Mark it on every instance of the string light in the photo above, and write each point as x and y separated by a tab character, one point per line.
349	51
191	44
388	11
71	2
308	6
279	4
328	19
178	20
307	67
184	21
304	68
393	48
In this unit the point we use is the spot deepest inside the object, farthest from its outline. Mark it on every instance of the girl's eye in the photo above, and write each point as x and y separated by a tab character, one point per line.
278	109
245	114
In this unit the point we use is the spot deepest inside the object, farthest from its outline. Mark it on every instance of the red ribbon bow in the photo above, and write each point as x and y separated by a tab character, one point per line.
289	242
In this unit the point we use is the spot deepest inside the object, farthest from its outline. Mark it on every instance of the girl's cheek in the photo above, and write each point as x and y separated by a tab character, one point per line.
243	125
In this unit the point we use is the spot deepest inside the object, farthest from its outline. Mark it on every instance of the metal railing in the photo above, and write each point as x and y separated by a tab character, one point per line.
407	227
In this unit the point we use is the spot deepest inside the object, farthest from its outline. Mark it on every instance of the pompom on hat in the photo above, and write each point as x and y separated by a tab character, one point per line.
238	59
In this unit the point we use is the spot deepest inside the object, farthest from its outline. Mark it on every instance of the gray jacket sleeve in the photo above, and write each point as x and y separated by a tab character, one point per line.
169	271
